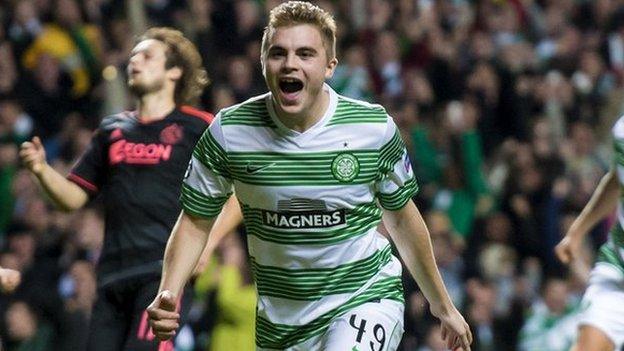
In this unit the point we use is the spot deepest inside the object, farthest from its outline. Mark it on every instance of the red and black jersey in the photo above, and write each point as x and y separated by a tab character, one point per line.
137	169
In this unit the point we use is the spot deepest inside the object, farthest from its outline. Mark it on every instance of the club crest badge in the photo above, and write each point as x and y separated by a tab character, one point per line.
345	167
171	134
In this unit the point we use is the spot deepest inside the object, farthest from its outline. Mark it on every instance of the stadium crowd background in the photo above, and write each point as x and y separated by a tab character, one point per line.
506	106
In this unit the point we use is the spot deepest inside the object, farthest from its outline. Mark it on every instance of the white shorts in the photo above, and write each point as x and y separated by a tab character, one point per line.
603	302
376	326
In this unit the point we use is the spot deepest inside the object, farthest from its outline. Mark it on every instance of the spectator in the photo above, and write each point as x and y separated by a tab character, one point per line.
25	331
552	321
71	41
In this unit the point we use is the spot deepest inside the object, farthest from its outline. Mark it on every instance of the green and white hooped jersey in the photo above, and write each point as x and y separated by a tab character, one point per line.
311	203
612	251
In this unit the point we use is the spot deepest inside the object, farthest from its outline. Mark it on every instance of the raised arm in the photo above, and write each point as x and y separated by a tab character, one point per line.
411	237
65	194
602	203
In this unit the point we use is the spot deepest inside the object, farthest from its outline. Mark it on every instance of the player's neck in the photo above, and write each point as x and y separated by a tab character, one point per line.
307	118
156	106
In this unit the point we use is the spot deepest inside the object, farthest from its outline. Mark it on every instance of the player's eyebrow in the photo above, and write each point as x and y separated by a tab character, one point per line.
278	48
307	49
136	51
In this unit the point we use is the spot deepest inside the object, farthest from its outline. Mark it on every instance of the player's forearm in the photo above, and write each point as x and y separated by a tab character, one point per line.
601	204
185	246
65	194
411	237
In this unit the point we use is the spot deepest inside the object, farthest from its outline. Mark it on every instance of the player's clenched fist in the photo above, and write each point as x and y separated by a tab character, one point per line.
163	317
33	155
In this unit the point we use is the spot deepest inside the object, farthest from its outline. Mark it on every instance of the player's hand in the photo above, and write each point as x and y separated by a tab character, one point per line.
163	317
9	279
568	248
455	331
33	155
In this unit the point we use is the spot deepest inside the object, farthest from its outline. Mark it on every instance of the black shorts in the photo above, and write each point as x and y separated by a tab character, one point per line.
119	320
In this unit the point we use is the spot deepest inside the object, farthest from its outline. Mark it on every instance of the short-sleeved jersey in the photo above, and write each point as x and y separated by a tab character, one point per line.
311	203
137	168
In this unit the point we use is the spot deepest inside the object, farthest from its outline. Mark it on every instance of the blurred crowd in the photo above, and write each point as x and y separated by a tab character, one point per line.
506	107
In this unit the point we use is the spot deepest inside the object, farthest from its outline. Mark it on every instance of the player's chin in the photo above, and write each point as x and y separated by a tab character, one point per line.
291	109
136	88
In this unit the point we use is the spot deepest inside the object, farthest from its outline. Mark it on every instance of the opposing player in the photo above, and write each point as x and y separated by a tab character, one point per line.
314	173
602	324
135	162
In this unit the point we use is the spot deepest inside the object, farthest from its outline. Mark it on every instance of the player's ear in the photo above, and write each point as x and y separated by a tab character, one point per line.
330	68
174	73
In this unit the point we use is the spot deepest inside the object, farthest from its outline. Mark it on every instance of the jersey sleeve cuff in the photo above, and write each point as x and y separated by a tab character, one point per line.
83	183
398	199
197	204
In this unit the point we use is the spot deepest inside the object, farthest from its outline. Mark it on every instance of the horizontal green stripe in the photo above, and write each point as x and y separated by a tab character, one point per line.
211	154
399	198
252	113
281	336
248	156
391	153
350	112
301	169
355	121
314	284
198	204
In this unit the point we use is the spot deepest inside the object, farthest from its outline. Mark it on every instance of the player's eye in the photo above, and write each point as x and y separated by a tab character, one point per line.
306	54
276	54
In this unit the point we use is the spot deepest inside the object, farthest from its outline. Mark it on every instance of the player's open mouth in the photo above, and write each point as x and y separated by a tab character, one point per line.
290	85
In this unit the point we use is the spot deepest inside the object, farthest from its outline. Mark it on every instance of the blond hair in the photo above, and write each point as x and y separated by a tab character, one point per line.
183	54
300	12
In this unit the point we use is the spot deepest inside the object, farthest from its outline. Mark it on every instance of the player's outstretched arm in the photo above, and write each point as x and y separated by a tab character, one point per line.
227	221
185	245
602	202
409	232
64	194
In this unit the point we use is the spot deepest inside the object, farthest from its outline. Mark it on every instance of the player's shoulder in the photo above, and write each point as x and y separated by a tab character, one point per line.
196	115
359	104
251	113
348	103
353	111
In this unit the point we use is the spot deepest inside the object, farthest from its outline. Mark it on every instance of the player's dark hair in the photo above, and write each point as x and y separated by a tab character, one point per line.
183	54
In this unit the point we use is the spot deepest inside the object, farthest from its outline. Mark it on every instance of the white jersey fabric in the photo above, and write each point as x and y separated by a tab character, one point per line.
311	203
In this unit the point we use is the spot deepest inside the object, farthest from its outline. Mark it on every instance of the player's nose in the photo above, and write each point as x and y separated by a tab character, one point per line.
290	62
